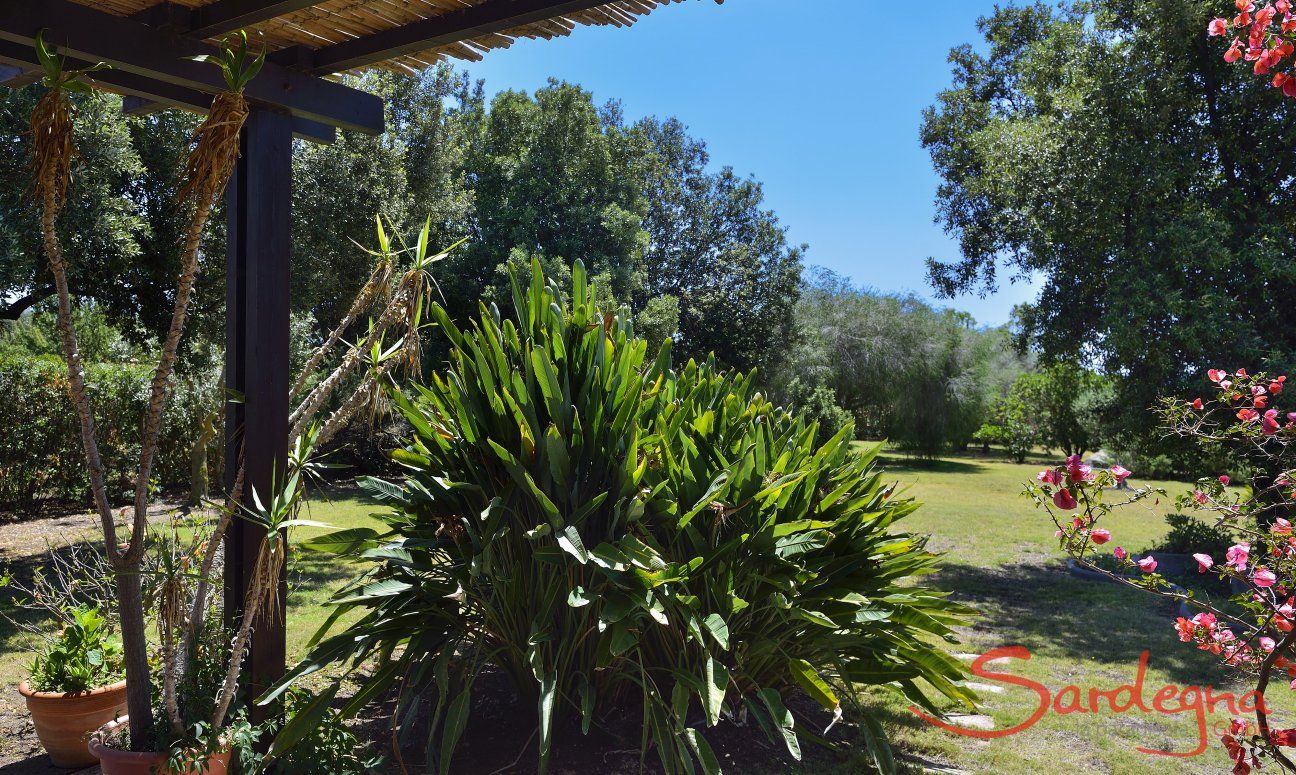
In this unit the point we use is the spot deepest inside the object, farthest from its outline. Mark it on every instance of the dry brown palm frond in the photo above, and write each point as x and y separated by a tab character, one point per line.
215	148
52	146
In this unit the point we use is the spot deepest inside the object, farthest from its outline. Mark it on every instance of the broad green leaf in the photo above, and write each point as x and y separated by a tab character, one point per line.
715	625
713	690
569	539
808	679
349	541
782	718
456	721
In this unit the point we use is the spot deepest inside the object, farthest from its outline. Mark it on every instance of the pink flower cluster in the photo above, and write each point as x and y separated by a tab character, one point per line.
1269	45
1256	630
1257	395
1073	473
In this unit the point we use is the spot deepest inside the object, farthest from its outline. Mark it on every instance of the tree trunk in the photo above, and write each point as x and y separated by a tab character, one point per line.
139	699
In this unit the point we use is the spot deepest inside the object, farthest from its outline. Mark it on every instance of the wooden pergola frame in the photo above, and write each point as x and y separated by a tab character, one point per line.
150	52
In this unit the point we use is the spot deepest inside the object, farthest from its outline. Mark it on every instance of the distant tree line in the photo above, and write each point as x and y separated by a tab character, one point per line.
692	250
929	380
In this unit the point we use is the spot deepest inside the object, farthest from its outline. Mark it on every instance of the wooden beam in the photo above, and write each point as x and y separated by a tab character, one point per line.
302	129
222	16
483	19
258	203
147	95
132	47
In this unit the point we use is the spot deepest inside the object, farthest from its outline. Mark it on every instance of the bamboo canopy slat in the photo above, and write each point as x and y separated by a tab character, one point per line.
323	24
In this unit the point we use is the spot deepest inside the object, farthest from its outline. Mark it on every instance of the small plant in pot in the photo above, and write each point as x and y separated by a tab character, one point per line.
184	697
77	684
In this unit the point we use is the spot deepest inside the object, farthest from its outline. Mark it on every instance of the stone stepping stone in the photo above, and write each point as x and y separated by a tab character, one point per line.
971	721
984	688
971	657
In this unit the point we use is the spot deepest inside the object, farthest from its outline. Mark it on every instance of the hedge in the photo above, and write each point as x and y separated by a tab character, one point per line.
41	457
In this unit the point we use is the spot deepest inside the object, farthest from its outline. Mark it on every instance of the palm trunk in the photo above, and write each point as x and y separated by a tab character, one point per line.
139	685
52	128
376	283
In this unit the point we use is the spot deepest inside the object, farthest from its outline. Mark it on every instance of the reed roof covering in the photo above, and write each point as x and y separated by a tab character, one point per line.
349	35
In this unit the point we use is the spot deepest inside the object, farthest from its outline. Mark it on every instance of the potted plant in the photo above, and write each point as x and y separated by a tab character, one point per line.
77	684
184	698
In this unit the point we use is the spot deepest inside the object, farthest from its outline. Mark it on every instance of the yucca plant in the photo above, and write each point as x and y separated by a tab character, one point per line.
612	534
783	555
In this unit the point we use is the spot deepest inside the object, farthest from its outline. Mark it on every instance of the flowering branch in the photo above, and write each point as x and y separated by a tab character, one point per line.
1256	633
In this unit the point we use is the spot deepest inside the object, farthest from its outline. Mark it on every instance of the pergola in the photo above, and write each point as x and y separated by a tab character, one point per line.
149	46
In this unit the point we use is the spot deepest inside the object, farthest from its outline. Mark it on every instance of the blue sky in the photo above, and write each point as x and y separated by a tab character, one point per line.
819	99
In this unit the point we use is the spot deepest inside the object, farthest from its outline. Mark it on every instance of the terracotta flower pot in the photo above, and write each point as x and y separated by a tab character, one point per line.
64	721
114	761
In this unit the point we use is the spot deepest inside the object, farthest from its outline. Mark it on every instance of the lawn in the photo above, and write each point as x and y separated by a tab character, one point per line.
1001	558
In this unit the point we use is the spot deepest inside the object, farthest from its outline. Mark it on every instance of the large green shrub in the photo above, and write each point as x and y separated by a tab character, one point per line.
616	535
41	456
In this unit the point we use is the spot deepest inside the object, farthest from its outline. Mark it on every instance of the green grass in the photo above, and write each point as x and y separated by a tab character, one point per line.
313	578
1001	557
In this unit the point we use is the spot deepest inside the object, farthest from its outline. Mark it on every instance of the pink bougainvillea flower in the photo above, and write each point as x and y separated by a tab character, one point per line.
1281	527
1148	564
1200	497
1049	476
1119	553
1264	578
1121	473
1064	500
1270	422
1248	415
1077	471
1204	562
1217	27
1100	536
1216	374
1267	643
1197	404
1237	556
1275	387
1283	621
1224	479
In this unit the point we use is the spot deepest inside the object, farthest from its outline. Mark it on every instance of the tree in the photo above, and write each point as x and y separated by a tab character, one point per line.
921	377
101	224
548	183
1055	394
410	174
712	246
1104	147
692	251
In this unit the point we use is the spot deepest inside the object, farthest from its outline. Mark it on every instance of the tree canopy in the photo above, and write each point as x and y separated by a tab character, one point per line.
550	175
1105	147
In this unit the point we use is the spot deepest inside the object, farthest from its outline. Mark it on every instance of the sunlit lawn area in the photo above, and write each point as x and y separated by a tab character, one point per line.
1000	558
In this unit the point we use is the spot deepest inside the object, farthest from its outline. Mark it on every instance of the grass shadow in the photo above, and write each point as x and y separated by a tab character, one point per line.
1052	613
895	465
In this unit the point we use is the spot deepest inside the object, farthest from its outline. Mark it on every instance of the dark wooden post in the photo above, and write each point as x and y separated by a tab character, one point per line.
258	202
